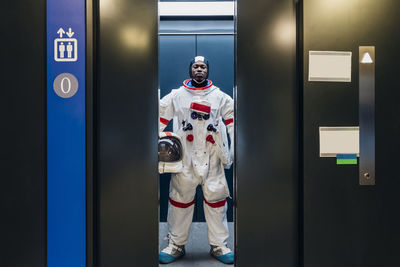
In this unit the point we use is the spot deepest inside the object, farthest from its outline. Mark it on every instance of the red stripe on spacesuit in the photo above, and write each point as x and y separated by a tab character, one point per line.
168	133
228	121
216	204
180	205
200	107
164	121
196	88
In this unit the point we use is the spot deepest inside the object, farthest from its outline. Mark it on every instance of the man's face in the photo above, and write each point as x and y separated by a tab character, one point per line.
199	71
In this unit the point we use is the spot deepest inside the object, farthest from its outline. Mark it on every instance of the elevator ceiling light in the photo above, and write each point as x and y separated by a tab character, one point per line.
196	8
366	59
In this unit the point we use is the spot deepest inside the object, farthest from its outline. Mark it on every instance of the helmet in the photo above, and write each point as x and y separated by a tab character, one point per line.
170	153
199	59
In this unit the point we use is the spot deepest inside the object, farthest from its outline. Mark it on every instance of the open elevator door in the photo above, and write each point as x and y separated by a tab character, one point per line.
267	134
181	38
126	133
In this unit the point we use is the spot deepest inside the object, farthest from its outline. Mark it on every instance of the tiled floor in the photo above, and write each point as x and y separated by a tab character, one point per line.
197	249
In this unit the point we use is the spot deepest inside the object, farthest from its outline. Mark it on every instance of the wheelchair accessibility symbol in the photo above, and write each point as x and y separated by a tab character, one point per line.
65	49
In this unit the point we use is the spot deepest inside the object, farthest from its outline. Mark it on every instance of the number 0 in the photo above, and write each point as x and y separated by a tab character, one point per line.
69	85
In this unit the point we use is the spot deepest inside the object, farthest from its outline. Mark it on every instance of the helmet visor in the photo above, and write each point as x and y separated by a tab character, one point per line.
169	149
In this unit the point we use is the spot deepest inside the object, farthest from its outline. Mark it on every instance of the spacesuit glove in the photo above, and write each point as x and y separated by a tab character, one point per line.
210	139
220	149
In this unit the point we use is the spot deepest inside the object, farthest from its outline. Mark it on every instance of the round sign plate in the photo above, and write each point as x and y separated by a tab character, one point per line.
65	85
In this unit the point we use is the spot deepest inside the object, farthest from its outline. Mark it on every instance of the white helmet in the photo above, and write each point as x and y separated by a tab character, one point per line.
170	153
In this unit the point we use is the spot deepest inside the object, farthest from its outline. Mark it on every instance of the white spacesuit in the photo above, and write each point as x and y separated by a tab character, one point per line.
200	116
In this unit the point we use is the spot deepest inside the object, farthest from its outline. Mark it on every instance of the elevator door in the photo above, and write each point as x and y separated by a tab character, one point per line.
125	140
346	224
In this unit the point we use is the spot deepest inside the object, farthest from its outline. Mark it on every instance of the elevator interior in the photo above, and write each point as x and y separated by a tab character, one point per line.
181	38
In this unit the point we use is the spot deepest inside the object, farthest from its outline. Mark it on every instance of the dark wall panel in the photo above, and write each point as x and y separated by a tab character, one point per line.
126	132
266	221
22	97
346	224
219	50
175	53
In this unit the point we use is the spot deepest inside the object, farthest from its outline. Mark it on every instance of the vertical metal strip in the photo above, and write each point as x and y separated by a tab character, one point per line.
91	9
367	114
66	185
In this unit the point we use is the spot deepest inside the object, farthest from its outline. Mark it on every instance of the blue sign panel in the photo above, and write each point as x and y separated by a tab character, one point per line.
66	174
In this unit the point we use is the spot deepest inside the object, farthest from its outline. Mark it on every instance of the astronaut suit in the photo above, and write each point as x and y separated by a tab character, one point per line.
201	114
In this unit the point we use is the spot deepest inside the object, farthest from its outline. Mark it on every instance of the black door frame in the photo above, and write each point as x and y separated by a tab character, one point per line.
287	250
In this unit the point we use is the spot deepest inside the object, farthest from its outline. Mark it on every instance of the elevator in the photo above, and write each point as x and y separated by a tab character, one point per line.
294	204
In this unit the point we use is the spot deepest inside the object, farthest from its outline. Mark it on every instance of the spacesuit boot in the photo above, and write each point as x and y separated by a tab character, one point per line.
171	253
223	254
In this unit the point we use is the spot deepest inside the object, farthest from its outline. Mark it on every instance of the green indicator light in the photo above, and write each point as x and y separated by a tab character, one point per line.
346	161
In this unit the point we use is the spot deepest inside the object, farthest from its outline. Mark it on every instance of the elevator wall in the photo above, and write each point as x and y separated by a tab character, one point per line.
126	127
346	224
22	97
266	134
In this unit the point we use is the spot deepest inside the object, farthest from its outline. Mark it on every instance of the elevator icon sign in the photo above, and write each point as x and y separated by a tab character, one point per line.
65	49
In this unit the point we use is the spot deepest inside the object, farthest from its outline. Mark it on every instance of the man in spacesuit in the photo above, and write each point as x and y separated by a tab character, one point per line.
201	114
